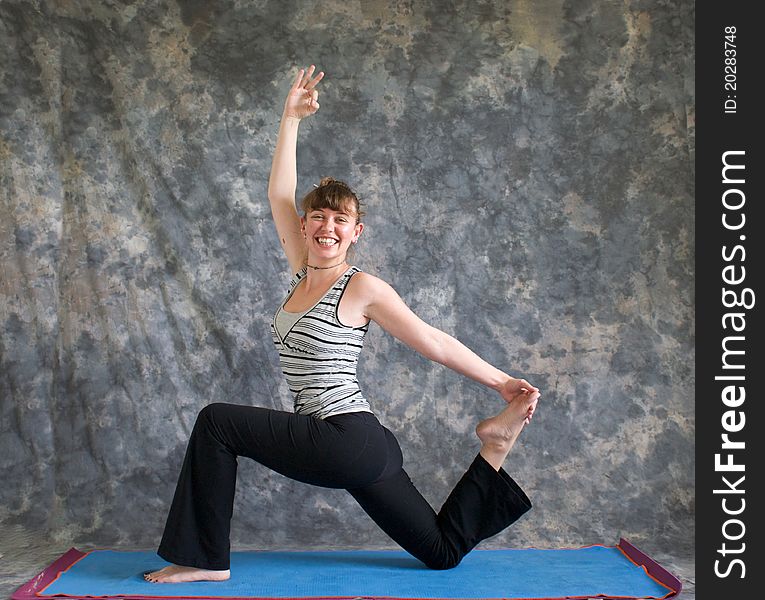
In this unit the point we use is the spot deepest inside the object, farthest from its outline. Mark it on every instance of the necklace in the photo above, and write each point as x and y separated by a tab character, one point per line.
323	268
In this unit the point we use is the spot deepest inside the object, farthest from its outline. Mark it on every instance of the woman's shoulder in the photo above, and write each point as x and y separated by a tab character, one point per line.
366	284
363	278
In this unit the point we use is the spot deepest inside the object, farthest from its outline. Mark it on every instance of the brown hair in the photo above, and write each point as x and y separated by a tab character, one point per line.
335	195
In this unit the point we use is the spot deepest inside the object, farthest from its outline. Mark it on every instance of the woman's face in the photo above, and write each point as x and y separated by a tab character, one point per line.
329	233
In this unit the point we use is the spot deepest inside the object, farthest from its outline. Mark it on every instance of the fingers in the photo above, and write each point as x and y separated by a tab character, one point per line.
532	399
307	75
312	83
312	99
305	80
523	384
532	407
298	79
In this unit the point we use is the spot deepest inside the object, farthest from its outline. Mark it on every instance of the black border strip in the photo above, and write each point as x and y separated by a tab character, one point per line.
727	564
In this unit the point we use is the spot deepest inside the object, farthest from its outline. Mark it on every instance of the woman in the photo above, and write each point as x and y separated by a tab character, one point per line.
332	439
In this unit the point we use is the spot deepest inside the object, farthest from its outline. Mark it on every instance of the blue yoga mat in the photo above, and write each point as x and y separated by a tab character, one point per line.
525	573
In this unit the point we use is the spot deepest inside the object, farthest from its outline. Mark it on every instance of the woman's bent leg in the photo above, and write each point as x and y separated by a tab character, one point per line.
483	503
336	452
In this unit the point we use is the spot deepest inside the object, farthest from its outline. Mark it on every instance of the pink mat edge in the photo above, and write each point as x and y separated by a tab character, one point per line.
654	569
45	577
29	590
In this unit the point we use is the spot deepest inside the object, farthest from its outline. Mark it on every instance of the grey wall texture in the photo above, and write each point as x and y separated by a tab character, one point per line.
527	169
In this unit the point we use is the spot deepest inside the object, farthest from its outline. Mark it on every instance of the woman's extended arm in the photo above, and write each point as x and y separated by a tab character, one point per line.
386	308
301	102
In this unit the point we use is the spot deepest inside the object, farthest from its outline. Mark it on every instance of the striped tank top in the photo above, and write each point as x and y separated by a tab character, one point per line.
318	354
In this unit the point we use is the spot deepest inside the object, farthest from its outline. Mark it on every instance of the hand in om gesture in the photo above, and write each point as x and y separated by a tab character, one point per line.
302	99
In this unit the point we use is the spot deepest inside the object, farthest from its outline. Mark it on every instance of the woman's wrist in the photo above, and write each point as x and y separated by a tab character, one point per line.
290	119
501	382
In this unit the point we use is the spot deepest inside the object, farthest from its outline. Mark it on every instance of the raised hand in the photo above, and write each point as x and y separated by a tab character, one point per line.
302	100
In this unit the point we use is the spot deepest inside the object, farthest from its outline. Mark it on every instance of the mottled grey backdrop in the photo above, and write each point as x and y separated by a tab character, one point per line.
528	174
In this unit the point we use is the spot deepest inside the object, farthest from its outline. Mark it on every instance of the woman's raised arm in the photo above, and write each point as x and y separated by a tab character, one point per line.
301	102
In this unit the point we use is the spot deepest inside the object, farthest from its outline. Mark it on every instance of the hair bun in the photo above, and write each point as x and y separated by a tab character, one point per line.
326	181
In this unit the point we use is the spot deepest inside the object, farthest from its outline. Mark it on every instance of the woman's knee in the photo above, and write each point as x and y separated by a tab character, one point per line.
206	413
443	561
209	416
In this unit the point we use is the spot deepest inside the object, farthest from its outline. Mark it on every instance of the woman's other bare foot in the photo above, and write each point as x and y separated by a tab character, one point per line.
499	433
179	574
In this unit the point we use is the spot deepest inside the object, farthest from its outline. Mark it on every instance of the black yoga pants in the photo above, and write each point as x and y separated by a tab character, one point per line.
351	451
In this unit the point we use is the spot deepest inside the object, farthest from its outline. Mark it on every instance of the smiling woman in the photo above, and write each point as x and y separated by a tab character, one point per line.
332	438
331	223
332	210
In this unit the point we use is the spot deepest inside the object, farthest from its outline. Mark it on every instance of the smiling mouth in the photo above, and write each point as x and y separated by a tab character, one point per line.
326	242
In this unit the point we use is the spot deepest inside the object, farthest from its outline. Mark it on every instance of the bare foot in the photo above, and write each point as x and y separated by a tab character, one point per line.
178	574
499	433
